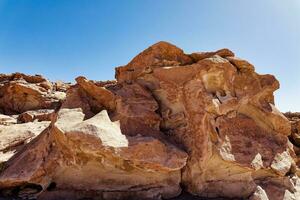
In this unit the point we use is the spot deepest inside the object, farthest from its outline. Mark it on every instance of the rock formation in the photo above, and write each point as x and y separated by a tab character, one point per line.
295	135
15	136
202	122
295	123
93	155
20	93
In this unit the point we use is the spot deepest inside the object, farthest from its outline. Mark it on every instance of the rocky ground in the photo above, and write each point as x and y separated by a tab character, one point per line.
203	124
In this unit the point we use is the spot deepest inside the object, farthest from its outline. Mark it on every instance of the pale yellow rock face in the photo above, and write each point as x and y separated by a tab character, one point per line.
203	121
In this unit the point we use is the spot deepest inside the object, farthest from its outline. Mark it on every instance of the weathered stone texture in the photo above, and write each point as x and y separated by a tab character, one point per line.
203	121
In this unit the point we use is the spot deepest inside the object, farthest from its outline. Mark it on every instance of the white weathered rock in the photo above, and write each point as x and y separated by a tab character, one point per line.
259	194
282	163
7	120
14	136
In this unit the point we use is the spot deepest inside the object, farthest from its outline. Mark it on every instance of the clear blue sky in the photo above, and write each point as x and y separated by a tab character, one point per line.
62	39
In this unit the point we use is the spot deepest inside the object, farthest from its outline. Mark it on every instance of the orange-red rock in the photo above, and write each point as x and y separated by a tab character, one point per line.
202	55
222	113
20	93
212	105
36	115
93	155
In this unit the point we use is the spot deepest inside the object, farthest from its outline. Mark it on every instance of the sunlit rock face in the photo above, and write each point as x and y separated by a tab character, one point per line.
204	123
222	113
78	155
20	93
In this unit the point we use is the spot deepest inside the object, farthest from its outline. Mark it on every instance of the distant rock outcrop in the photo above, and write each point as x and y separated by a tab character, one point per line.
20	93
202	122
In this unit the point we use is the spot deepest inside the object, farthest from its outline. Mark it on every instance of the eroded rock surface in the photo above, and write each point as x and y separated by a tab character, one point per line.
295	136
222	113
295	123
126	139
93	155
7	120
20	93
15	136
36	115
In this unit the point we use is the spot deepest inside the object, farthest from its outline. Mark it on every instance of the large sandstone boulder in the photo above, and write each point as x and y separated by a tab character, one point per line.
90	96
222	113
75	157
